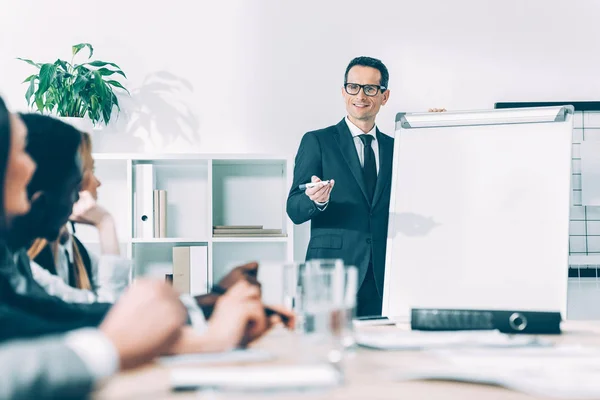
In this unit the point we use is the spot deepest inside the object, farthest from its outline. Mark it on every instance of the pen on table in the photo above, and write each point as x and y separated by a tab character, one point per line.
305	186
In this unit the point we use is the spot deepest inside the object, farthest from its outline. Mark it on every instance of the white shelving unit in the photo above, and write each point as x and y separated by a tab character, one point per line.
203	190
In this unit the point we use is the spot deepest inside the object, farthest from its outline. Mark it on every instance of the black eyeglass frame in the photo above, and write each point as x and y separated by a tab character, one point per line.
362	87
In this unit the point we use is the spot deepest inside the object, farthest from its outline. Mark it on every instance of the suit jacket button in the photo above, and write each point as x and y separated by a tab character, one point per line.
369	241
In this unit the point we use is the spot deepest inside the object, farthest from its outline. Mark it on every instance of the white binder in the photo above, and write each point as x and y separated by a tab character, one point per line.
198	270
479	211
144	200
190	269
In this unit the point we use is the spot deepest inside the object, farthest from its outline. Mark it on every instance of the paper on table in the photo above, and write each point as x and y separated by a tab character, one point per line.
558	383
278	377
419	340
560	372
373	322
526	357
248	355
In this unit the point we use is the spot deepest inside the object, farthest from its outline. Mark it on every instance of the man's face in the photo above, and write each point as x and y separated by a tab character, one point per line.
360	106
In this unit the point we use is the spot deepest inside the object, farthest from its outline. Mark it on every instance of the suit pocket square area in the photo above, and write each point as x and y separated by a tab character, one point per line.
330	241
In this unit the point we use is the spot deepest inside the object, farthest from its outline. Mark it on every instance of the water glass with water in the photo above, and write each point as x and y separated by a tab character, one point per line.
329	299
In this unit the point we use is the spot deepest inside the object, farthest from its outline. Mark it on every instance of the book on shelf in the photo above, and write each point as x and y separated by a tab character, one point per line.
190	269
160	213
237	227
246	231
144	200
246	235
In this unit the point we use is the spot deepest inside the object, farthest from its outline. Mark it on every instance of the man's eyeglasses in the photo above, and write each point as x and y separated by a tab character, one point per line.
369	90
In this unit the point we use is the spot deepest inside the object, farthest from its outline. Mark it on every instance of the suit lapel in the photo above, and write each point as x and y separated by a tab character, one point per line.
385	165
346	143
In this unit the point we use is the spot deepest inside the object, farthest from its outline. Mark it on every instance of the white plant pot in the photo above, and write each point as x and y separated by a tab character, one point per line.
83	124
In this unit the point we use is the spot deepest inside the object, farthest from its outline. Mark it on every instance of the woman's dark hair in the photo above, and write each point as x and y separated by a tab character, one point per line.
4	153
53	145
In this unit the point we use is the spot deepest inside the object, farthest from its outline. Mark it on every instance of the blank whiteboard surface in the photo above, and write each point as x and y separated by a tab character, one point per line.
479	215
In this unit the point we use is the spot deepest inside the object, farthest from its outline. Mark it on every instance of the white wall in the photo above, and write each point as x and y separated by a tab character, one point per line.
254	75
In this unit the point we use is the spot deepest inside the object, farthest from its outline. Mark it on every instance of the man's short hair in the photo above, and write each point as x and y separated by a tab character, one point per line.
370	62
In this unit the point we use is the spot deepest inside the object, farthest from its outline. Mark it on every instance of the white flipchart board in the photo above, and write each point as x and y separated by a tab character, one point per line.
479	211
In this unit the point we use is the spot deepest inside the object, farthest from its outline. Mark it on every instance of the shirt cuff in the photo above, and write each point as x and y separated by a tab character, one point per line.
321	206
195	313
95	350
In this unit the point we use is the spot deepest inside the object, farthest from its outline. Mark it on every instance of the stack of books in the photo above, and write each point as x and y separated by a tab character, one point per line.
245	231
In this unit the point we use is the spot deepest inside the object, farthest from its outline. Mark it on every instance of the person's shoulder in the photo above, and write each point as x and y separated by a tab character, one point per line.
384	136
324	131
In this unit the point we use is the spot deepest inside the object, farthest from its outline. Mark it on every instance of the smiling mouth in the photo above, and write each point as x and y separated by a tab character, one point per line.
360	105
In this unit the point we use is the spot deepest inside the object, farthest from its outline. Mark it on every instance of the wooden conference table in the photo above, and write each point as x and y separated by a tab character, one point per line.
365	374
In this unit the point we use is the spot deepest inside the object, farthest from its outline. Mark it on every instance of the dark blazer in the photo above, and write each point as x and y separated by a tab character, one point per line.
27	310
350	227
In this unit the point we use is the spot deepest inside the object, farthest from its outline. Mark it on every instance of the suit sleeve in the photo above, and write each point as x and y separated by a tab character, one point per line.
300	208
17	324
43	369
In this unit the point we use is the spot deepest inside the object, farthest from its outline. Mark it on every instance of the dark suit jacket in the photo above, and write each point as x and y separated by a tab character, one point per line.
350	227
27	310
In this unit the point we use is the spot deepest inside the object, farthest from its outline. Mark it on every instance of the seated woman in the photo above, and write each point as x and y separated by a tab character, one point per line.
52	191
99	278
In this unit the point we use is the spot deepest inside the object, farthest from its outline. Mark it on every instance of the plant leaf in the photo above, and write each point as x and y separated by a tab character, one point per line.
47	75
30	92
107	109
62	64
104	63
107	72
51	99
80	68
30	77
39	102
118	84
80	82
29	62
99	85
95	115
75	49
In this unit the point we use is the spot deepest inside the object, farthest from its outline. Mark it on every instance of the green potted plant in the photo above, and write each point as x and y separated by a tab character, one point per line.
83	94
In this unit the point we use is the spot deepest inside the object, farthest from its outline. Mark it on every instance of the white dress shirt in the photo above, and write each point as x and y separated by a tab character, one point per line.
111	274
360	150
360	147
56	366
96	351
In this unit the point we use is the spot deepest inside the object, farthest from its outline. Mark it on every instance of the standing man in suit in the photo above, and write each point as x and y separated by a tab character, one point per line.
350	222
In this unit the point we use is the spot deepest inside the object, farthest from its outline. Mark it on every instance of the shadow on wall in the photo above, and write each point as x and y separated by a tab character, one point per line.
156	118
411	224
